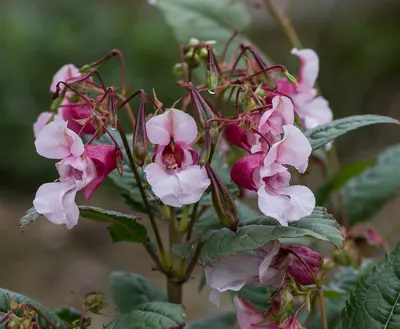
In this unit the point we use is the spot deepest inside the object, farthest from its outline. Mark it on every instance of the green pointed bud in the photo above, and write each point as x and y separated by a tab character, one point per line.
193	42
178	69
286	300
290	77
223	201
140	135
308	303
85	68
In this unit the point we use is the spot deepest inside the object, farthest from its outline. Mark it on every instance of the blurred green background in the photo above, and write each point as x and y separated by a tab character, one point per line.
359	48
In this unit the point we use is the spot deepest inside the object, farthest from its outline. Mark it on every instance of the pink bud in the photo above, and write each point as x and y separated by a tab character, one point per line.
298	270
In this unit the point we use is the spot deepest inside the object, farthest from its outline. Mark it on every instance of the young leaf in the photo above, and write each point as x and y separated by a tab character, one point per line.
366	193
130	290
31	215
220	321
5	296
375	301
257	232
321	135
340	179
123	227
185	249
156	315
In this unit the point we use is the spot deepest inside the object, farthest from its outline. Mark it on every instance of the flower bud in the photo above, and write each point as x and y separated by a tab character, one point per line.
193	42
178	69
290	77
14	322
297	268
93	302
140	136
223	201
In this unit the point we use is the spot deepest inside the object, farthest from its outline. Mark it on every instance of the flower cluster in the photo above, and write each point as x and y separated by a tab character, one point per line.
82	167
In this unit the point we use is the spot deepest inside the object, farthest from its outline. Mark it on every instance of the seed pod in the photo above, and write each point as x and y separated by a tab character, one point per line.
140	136
272	84
223	201
202	113
120	161
212	73
111	108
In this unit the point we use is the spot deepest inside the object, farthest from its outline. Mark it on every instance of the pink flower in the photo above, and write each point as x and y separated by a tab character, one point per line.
314	111
81	168
248	316
67	72
261	269
173	171
43	119
73	111
268	175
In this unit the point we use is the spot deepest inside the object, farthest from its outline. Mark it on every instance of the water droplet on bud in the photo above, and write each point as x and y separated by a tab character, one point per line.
211	91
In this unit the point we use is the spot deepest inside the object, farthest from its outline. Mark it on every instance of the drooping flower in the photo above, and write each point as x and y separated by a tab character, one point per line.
267	173
81	168
174	171
263	268
79	116
248	316
314	111
65	73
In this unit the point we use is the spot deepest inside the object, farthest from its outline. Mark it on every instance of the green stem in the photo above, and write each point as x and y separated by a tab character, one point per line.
323	309
174	291
192	264
143	193
286	24
192	221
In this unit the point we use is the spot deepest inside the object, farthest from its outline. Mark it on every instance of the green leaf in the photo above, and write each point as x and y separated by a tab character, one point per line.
156	315
321	135
123	227
31	215
68	314
21	299
205	20
130	290
257	296
366	193
341	178
220	321
184	250
257	232
375	301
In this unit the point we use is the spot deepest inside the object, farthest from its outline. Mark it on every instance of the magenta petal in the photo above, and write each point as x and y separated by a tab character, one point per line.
297	268
105	160
237	136
242	171
77	111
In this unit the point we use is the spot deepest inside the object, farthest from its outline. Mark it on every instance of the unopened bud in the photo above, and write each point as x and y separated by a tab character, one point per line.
120	161
193	42
297	268
140	136
308	303
290	77
286	301
94	302
178	70
14	322
85	68
223	201
205	150
192	58
112	109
